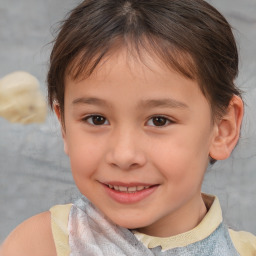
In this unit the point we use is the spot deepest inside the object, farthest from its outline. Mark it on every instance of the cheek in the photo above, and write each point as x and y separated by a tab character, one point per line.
85	156
181	156
84	162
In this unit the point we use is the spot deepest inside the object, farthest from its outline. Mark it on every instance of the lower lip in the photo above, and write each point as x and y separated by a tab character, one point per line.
129	198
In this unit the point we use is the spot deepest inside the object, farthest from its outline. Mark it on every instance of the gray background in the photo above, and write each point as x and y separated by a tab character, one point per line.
34	172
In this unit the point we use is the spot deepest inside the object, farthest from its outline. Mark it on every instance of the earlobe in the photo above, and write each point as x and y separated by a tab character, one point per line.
227	130
57	111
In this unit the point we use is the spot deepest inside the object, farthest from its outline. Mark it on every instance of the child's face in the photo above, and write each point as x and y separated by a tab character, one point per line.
145	129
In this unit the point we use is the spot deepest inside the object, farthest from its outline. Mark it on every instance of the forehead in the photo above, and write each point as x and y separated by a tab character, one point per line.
123	76
143	51
140	63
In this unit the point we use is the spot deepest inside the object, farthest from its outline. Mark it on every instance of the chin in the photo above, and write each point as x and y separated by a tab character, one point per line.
131	223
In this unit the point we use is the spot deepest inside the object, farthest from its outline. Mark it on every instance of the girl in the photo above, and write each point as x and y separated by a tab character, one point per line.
145	96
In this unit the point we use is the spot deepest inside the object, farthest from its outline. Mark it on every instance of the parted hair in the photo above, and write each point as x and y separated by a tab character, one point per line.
189	36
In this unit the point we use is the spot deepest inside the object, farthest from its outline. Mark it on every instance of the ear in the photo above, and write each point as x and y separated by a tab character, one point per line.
227	130
57	111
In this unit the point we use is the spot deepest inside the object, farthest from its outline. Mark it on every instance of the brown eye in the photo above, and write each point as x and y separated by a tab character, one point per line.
96	120
158	121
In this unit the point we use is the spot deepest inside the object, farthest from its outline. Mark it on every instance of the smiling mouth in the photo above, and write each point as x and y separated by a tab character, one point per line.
124	189
129	193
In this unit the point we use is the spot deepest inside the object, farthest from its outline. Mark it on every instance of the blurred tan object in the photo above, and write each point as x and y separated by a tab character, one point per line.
21	100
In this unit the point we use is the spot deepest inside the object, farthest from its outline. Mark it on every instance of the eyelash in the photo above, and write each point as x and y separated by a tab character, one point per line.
166	120
103	120
87	118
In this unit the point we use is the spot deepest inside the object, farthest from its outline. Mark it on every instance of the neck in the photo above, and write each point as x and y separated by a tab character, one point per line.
183	220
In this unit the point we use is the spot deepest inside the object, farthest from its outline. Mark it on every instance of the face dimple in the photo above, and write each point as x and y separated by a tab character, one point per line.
151	135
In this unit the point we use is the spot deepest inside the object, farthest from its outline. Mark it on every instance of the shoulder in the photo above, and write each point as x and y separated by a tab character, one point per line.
32	237
244	242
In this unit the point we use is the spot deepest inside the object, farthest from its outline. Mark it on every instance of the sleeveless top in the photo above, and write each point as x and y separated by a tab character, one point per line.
81	229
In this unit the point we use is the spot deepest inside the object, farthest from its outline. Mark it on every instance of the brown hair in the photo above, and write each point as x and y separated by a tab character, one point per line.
189	36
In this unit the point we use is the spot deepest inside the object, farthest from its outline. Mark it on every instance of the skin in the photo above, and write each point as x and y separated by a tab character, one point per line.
128	148
126	144
30	238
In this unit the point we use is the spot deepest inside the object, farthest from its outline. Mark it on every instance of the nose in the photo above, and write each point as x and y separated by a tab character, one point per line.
125	151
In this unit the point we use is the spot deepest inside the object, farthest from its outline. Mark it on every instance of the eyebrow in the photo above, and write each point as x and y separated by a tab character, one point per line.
151	103
169	103
90	101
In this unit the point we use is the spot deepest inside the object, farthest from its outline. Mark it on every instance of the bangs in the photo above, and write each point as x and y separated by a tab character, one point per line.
175	58
189	37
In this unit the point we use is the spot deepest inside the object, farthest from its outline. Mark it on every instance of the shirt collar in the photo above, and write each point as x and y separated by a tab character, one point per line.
206	227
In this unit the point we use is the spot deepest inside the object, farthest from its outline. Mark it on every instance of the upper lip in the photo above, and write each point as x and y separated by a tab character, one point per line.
130	184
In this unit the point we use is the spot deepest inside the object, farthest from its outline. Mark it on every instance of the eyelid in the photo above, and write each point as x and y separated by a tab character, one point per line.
85	119
168	119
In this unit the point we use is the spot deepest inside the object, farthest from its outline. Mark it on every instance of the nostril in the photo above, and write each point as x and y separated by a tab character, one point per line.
125	155
126	167
134	165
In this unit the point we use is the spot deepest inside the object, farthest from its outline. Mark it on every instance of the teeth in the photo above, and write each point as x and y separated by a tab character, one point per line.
139	188
132	189
123	189
128	189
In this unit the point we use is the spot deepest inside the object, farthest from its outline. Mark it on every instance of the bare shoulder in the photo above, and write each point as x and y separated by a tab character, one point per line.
32	237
